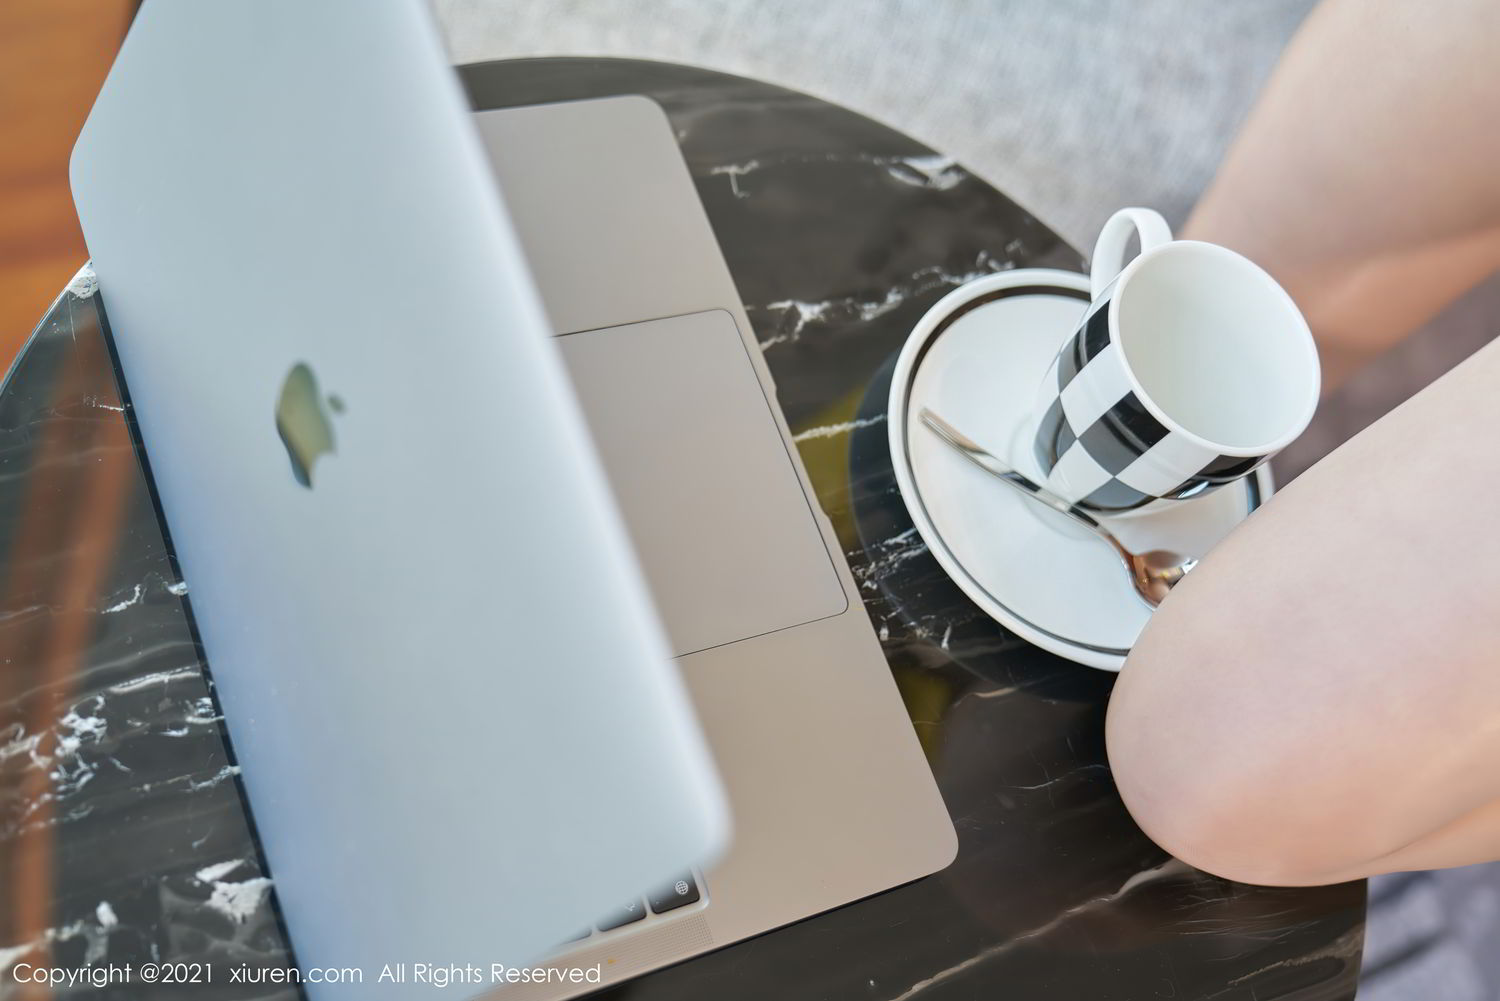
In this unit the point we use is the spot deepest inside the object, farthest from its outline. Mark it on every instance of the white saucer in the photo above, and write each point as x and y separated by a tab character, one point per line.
977	358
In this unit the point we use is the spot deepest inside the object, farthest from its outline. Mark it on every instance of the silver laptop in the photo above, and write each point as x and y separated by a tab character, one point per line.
463	734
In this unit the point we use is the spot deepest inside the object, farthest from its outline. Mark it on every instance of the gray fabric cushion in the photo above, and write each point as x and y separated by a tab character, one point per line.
1072	107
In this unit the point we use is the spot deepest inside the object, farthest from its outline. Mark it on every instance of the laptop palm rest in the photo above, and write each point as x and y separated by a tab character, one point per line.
723	530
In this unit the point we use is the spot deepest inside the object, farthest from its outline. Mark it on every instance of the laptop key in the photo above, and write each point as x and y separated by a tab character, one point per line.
630	913
679	893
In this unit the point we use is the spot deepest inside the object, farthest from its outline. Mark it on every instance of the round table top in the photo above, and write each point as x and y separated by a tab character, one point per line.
123	835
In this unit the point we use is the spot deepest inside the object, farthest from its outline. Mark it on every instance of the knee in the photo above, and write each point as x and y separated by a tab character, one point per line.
1208	825
1253	811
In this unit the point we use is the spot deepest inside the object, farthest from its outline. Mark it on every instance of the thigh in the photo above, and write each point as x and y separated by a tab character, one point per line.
1325	687
1365	178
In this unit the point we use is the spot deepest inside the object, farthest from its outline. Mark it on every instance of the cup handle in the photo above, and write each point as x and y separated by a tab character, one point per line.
1109	250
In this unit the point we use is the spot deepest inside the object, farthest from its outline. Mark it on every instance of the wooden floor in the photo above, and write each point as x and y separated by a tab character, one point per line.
53	57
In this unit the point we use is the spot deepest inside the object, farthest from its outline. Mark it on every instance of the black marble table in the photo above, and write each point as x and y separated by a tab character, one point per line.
123	836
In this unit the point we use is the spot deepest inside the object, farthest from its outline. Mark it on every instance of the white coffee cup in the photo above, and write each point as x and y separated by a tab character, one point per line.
1191	367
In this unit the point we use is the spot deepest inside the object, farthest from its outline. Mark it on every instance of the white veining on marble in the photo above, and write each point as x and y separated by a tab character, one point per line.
735	171
886	556
842	427
933	170
1054	780
70	733
235	899
80	728
213	873
94	933
97	404
238	901
85	283
811	312
1346	947
162	678
222	775
985	264
67	769
21	612
989	693
10	954
120	606
851	308
937	171
139	591
1169	869
20	742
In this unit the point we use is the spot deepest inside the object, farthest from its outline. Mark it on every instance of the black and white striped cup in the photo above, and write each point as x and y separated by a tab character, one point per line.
1191	367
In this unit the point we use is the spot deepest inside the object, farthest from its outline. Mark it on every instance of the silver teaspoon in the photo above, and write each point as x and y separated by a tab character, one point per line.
1153	573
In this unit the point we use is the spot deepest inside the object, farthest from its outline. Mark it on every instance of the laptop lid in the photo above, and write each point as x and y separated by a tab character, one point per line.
461	736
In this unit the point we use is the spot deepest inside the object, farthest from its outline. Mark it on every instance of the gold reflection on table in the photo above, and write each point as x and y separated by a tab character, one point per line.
58	547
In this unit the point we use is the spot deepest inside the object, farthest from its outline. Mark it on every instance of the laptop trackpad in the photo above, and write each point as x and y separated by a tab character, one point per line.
718	516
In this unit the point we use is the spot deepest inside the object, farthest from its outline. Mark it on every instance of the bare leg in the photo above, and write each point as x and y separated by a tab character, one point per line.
1320	699
1365	180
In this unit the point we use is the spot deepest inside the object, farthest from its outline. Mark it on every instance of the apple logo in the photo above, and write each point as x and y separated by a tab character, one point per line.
302	422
